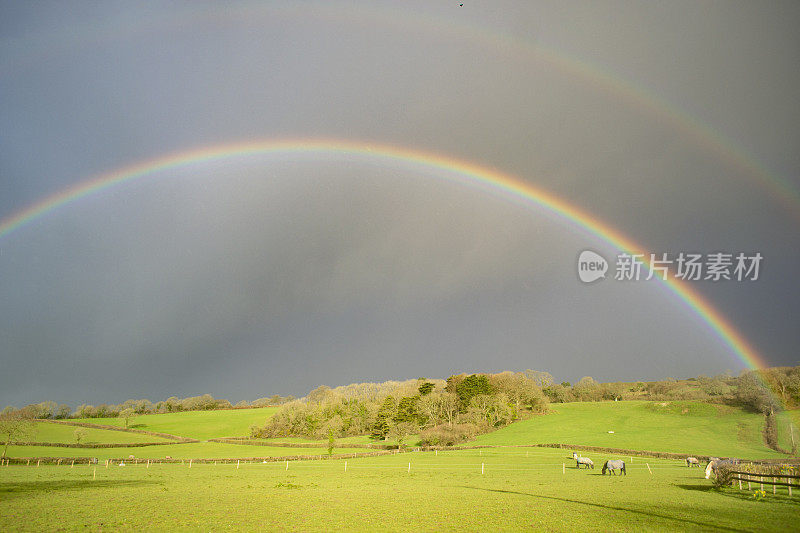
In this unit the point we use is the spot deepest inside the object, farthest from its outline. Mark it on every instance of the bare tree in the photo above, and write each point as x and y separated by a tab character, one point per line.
16	425
79	435
127	414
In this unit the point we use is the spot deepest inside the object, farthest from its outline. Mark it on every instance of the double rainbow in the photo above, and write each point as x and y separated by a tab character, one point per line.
469	173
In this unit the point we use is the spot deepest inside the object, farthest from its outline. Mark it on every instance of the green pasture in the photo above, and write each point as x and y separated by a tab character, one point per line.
681	427
411	440
62	433
192	450
200	425
788	423
519	489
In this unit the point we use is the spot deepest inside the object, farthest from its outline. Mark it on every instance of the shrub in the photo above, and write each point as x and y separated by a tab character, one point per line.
724	477
445	435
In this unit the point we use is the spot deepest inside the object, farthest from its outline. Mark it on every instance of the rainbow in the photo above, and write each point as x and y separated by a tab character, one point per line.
467	173
594	74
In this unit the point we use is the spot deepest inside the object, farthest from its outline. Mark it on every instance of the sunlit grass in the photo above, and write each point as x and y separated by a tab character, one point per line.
442	491
62	433
196	424
681	427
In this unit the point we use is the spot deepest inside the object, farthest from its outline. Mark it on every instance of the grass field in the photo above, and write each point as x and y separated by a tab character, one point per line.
442	491
49	432
681	427
199	425
411	440
788	422
193	450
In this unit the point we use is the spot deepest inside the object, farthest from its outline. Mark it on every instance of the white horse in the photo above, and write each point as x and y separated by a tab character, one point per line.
714	464
692	461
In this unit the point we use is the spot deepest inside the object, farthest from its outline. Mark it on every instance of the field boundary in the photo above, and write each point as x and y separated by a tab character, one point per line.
139	460
576	447
99	444
256	442
117	428
619	451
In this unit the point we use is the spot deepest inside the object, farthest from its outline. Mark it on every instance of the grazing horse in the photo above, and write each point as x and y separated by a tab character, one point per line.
715	463
614	465
692	461
585	461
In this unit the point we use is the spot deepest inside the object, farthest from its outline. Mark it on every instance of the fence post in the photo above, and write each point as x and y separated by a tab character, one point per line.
237	464
762	481
409	468
345	466
648	468
740	481
773	486
287	464
563	468
94	474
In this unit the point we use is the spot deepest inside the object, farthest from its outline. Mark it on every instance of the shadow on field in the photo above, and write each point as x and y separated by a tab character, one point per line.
611	507
745	495
22	489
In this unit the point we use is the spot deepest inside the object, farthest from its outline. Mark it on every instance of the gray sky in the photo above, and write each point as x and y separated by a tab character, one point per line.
275	274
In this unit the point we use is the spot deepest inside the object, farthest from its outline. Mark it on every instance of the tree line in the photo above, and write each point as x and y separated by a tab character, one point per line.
454	410
445	411
205	402
439	411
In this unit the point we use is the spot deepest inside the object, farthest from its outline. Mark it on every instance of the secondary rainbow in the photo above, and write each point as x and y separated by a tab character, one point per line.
466	172
591	73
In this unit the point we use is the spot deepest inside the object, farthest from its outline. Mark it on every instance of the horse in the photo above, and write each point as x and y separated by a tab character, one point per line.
692	461
714	463
614	465
588	463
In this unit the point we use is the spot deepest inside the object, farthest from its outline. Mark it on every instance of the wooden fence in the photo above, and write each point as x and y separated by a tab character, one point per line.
764	479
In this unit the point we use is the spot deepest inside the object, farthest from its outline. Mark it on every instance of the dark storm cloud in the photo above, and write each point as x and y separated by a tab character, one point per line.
277	274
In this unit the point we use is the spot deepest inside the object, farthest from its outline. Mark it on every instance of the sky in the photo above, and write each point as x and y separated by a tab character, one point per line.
676	123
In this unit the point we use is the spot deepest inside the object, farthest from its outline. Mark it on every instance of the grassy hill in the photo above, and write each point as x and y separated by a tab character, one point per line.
681	427
200	425
785	420
61	433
